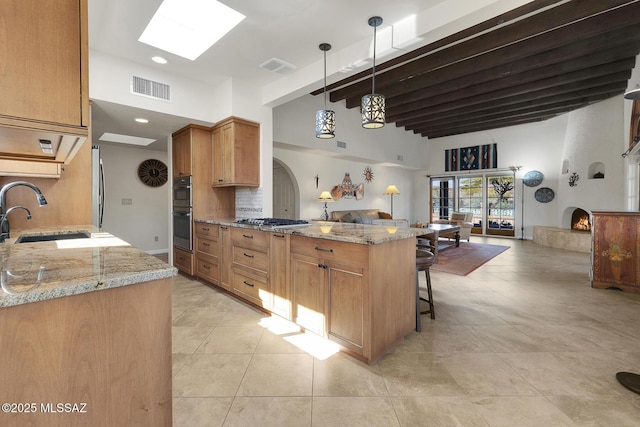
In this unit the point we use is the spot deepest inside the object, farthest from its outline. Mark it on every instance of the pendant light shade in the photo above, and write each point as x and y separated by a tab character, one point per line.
325	119
373	105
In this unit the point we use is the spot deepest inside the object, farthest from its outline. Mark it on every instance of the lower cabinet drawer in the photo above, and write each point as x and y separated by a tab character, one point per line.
251	288
207	268
252	258
183	261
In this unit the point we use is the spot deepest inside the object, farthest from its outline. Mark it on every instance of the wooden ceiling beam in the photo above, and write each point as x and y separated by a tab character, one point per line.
551	28
530	100
463	98
568	101
582	54
511	119
511	15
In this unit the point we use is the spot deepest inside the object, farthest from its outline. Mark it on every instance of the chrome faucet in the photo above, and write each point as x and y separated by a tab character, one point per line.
4	223
4	220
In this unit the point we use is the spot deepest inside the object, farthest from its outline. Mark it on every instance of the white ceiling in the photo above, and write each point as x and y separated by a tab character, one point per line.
290	30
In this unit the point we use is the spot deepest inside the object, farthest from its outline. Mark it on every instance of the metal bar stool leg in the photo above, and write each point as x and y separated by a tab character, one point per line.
418	321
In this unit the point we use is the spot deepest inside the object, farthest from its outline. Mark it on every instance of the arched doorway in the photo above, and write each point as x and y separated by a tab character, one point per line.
285	192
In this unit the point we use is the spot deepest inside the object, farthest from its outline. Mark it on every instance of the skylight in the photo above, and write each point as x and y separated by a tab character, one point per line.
125	139
187	28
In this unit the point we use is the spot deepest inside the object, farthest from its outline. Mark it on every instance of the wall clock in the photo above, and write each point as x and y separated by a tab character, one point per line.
153	173
532	178
544	195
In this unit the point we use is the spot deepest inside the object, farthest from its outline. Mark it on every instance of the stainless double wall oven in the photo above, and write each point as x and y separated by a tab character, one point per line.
182	213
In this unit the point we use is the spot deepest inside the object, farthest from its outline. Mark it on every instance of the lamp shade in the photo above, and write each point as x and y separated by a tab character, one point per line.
373	111
325	124
325	196
632	94
392	189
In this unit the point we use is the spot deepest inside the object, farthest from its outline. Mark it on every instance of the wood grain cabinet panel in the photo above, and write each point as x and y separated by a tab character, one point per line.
44	64
615	251
236	153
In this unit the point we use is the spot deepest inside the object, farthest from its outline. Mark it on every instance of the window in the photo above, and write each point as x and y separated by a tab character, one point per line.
489	197
470	197
442	198
500	205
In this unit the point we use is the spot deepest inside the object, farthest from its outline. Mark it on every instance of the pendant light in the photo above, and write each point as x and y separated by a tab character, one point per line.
373	104
325	119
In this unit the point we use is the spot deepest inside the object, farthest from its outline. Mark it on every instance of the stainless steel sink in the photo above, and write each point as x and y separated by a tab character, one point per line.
52	237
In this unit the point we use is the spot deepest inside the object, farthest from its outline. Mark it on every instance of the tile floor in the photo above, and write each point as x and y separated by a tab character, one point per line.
522	341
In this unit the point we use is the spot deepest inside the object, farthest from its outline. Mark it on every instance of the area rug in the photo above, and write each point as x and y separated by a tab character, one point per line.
466	258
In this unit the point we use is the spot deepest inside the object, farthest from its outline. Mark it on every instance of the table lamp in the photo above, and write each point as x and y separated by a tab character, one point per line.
391	190
325	197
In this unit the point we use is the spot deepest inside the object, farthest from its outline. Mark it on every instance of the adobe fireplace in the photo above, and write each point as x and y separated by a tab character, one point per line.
580	220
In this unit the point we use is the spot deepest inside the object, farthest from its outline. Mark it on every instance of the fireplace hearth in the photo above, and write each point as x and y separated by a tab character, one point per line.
580	220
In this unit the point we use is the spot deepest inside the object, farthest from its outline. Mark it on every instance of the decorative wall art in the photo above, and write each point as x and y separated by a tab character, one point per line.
471	158
544	195
532	178
573	179
368	174
348	189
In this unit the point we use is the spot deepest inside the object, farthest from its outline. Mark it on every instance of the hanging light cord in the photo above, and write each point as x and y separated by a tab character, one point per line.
373	78
325	79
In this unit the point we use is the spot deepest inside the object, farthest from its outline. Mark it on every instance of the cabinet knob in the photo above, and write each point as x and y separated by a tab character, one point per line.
248	236
248	283
248	255
205	244
205	229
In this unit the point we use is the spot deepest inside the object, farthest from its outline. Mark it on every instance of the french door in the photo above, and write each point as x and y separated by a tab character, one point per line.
489	197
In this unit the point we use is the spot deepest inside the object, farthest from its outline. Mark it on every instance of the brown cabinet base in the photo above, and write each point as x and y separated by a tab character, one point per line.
110	350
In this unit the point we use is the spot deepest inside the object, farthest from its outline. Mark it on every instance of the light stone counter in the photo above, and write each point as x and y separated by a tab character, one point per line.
31	272
364	234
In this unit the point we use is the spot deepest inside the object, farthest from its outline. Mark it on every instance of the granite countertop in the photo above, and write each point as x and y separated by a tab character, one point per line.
364	234
40	271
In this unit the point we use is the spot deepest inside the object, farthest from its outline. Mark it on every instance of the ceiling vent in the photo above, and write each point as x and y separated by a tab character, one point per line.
150	89
277	66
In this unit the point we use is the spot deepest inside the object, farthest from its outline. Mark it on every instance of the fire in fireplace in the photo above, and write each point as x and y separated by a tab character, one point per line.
580	220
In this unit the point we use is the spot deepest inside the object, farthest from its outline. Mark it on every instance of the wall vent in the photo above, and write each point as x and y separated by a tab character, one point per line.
342	144
277	66
150	89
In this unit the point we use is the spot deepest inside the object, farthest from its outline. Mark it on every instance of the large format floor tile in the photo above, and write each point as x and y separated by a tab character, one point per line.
509	346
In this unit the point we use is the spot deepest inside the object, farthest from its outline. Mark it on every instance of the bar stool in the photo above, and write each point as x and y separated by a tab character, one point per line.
424	260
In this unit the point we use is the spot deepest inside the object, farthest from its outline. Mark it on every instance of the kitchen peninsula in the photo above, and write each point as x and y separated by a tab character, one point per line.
351	283
86	331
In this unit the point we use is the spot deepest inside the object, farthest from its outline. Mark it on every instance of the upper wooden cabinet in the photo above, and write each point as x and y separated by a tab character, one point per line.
44	69
182	153
236	153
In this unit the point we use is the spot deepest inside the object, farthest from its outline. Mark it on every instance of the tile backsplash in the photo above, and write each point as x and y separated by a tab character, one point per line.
249	202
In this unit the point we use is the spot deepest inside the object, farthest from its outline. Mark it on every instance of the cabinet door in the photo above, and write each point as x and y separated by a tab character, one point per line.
346	316
182	154
217	154
278	275
41	61
308	278
225	258
227	154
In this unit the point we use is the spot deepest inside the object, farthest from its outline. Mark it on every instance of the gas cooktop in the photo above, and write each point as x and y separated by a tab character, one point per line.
273	222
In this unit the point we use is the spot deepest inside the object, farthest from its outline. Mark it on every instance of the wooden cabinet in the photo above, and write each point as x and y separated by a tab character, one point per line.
44	84
328	282
181	145
360	296
206	251
224	259
279	275
236	153
109	350
250	254
183	260
615	252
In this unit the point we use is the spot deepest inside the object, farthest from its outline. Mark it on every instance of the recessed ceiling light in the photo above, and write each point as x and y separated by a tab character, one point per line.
141	120
125	139
187	28
159	60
